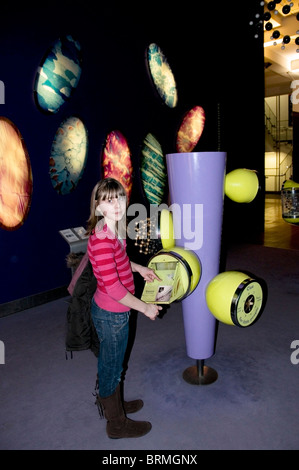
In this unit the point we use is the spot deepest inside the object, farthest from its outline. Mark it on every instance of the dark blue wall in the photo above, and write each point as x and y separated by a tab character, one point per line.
115	92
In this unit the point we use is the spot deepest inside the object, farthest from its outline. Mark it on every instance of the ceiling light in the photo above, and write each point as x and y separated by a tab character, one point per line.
274	23
271	6
267	16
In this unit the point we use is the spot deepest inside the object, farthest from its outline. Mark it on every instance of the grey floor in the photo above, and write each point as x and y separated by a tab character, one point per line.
47	402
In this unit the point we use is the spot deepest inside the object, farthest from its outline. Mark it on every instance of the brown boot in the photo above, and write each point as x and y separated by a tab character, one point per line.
132	406
129	406
118	425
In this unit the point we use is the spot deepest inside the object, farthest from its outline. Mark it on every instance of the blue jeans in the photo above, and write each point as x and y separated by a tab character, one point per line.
113	331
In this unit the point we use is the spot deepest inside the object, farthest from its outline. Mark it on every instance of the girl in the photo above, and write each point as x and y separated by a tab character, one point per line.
113	300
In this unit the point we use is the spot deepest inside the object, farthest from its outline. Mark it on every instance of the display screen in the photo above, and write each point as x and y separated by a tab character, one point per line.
164	265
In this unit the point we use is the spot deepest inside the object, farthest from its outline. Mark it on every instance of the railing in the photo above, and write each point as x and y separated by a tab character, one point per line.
270	121
279	130
280	165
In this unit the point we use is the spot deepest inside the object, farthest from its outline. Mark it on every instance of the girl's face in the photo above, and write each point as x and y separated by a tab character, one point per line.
113	208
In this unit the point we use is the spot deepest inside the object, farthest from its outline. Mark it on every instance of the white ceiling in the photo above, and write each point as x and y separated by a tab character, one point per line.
279	62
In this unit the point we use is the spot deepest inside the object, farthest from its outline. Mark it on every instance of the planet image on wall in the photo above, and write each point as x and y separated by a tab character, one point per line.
116	161
68	155
58	75
190	129
15	177
153	170
162	75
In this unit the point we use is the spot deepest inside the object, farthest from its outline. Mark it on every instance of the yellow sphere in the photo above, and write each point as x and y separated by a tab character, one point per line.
294	221
166	229
180	267
241	185
191	262
234	298
287	184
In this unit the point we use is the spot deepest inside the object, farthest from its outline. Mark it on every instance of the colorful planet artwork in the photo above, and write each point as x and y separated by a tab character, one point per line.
153	170
116	161
68	155
15	177
190	129
162	75
58	75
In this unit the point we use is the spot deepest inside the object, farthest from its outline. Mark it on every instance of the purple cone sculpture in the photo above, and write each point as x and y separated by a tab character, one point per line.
196	185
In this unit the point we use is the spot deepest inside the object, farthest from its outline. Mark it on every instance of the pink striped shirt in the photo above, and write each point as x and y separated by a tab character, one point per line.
112	269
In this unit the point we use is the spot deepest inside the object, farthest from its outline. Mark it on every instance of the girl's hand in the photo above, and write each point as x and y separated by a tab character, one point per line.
152	311
148	274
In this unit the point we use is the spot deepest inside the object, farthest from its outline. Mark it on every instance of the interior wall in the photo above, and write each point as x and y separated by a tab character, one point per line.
115	92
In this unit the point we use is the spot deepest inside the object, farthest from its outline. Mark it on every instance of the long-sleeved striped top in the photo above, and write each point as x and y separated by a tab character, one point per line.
112	269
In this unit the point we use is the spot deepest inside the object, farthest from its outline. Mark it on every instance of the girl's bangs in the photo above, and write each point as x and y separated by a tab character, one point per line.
113	192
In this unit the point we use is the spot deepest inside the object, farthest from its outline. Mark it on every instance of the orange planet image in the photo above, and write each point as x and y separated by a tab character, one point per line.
116	161
190	130
15	177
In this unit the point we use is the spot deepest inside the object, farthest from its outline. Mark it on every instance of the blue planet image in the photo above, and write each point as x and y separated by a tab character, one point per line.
58	75
162	75
68	155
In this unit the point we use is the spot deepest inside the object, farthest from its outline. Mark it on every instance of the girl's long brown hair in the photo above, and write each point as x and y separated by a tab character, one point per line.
104	189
